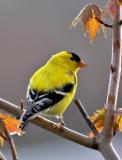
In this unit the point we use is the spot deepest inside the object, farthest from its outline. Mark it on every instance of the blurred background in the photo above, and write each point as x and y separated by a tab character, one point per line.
30	32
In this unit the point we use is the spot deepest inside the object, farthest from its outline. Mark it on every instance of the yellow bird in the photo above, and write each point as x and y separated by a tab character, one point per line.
52	87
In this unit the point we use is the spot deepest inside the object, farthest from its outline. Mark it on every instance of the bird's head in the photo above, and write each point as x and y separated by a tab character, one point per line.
68	60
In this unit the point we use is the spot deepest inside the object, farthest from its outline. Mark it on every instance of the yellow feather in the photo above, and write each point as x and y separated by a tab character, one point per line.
57	72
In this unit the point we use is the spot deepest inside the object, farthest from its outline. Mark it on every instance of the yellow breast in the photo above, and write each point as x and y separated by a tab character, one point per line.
48	80
59	108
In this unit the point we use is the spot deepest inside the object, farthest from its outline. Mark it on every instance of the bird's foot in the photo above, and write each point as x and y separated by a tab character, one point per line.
61	125
61	118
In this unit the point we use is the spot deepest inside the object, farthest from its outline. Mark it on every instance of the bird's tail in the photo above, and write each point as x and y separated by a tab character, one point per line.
24	125
24	120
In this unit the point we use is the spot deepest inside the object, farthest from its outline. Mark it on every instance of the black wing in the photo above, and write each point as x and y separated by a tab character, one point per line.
39	101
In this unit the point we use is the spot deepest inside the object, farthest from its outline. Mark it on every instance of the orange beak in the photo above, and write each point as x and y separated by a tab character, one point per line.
82	64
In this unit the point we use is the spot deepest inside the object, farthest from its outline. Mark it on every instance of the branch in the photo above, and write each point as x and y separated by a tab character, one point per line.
86	117
2	157
11	144
9	140
108	151
105	141
114	80
120	22
51	126
103	23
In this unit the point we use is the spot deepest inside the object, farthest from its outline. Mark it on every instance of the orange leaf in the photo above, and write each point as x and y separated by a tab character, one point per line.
87	17
11	123
98	119
91	135
120	123
92	27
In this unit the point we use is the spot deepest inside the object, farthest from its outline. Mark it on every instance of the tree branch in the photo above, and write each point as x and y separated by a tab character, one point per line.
115	73
8	139
2	157
108	151
51	126
86	116
11	144
105	140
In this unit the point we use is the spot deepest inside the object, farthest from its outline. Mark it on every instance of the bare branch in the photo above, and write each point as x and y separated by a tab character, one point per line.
51	126
108	151
105	140
86	117
10	141
2	157
114	79
11	144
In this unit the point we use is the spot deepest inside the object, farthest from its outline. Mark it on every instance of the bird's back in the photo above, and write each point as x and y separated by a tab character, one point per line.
51	77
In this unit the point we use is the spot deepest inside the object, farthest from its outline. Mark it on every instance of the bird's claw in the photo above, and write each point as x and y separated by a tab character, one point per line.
61	126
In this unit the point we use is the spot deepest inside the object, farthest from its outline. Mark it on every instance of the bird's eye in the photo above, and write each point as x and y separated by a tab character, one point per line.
72	58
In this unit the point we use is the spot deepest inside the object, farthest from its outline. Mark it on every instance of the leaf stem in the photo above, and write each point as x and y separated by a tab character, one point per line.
103	23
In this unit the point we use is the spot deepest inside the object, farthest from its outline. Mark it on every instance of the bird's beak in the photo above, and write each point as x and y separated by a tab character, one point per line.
82	64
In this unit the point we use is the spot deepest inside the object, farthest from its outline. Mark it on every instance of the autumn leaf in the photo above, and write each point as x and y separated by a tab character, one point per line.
98	119
92	27
12	125
88	17
119	119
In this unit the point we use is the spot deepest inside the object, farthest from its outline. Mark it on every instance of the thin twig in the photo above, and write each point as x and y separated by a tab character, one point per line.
120	22
2	135
10	142
22	105
86	116
103	23
2	157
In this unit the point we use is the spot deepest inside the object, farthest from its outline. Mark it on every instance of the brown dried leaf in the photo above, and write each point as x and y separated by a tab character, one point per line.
88	18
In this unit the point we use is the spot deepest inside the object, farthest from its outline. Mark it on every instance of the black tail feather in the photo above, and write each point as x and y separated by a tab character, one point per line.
24	125
25	121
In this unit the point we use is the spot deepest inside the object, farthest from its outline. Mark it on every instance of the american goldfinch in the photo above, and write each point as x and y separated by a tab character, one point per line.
52	87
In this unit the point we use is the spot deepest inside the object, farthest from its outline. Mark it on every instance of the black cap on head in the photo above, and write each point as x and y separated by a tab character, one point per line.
75	57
